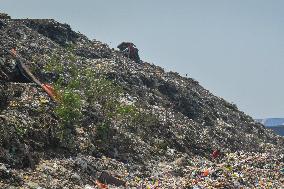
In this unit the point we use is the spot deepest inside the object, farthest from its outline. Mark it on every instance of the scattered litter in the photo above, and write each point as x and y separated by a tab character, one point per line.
190	138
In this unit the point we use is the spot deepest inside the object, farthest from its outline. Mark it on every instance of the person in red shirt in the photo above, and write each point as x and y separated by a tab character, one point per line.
130	51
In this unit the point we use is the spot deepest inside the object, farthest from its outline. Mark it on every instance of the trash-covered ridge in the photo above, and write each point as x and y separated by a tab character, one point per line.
191	122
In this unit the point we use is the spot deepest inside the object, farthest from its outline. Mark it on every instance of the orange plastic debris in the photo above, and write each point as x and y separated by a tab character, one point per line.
101	185
205	173
50	91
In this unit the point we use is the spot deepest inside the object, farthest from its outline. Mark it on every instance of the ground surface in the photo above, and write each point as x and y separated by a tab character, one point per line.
168	146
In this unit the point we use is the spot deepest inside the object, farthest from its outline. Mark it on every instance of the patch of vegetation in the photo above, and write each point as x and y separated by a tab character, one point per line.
70	47
81	89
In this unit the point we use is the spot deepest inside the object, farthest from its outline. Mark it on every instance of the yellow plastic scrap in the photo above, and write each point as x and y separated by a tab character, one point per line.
43	100
26	177
235	175
229	168
156	184
13	104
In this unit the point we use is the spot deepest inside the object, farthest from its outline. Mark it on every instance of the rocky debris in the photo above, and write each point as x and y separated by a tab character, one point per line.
60	33
87	53
170	146
9	176
111	180
4	16
13	71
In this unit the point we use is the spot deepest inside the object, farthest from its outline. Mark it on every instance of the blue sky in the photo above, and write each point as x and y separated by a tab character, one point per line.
233	48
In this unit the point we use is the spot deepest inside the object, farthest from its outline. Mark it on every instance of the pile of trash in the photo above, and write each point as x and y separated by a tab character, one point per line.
169	145
233	170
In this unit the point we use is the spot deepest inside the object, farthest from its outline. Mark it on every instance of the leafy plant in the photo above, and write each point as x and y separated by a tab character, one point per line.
81	88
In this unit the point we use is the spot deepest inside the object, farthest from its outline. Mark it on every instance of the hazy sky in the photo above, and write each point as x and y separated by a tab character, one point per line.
233	48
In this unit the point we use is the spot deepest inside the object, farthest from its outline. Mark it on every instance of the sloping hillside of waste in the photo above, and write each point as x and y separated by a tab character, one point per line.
115	123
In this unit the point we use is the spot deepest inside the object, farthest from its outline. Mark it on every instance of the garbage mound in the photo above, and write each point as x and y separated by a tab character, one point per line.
60	33
116	123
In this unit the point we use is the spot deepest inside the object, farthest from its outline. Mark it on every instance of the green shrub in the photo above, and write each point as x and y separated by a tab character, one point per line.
81	88
69	109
